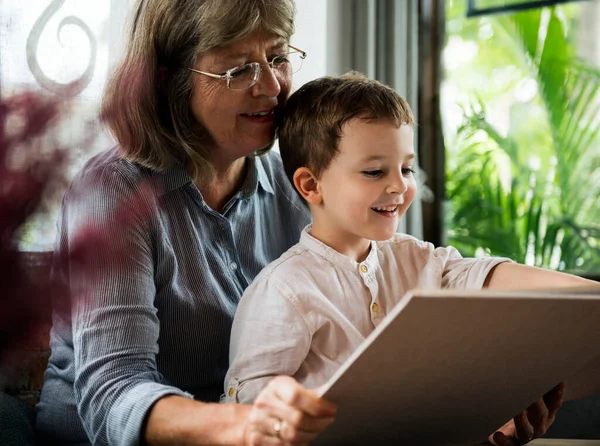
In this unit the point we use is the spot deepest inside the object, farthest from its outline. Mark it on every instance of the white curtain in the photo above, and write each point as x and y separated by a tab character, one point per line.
44	46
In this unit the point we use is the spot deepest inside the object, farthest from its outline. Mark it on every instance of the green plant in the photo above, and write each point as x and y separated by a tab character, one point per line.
533	193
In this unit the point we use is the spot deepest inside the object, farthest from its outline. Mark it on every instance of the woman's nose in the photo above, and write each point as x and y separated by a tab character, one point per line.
268	83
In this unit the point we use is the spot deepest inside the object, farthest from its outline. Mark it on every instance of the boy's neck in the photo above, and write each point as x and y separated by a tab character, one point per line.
357	248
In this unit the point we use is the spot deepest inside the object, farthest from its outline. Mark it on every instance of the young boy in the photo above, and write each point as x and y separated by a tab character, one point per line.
347	146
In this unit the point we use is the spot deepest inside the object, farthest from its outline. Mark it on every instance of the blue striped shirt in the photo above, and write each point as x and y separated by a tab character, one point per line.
157	321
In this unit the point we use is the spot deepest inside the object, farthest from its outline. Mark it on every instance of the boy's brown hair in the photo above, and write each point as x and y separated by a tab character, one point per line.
314	116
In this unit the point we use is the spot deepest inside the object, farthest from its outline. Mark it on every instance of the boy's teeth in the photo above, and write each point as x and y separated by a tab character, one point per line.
386	208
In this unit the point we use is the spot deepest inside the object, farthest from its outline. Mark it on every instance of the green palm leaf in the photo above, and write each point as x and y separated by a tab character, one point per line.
545	215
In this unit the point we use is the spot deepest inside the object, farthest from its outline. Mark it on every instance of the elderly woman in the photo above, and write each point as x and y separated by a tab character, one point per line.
192	103
189	208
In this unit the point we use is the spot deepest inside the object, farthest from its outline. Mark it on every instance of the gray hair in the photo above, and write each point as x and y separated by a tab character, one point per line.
147	100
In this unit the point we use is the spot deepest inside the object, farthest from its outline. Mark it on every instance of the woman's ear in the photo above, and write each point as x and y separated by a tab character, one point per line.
307	185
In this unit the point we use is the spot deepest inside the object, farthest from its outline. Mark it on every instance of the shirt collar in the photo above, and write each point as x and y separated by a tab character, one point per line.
337	259
170	179
256	176
177	176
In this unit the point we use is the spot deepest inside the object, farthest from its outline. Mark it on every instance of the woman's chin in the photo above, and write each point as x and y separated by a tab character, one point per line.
263	144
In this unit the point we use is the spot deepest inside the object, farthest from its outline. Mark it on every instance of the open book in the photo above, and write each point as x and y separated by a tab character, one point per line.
450	367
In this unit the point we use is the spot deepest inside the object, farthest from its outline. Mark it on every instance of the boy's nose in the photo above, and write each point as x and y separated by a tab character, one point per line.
398	185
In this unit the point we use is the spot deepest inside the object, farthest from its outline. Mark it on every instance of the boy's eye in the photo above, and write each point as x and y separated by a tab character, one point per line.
373	173
407	171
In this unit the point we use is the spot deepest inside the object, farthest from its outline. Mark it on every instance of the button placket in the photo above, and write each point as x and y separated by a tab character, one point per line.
377	314
229	252
368	276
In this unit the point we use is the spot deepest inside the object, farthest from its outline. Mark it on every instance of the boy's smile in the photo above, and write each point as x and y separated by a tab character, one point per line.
390	210
366	188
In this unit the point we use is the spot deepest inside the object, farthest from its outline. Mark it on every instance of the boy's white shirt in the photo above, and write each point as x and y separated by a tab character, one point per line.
306	312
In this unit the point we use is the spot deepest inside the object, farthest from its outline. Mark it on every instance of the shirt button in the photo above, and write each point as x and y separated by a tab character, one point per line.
233	266
231	392
375	308
364	268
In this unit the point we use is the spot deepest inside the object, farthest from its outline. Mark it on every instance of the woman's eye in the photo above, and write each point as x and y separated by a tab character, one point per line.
241	71
278	61
373	173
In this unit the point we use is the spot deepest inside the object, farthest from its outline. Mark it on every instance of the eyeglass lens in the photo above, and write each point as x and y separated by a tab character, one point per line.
247	75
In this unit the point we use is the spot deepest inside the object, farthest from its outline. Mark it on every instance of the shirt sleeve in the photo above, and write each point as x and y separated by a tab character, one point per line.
464	273
270	336
106	237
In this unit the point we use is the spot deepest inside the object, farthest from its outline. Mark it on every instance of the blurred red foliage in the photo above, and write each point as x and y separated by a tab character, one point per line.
32	165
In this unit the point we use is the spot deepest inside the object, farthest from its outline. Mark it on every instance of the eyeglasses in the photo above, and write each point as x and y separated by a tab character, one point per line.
247	75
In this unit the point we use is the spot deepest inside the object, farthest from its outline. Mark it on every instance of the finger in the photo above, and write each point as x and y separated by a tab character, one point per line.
500	439
554	400
267	425
507	429
270	406
265	432
296	418
288	434
537	415
523	428
258	438
286	401
318	390
292	393
291	435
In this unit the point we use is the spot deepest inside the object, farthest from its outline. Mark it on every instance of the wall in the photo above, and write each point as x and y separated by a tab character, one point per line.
321	30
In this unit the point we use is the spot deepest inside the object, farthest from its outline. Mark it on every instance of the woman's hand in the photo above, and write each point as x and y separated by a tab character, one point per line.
531	423
285	413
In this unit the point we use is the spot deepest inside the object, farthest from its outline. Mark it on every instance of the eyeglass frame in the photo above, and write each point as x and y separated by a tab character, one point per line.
257	69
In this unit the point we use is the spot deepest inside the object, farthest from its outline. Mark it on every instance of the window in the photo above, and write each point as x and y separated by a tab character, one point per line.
45	46
520	105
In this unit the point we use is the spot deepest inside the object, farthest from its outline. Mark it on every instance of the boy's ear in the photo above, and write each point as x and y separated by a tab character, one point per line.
307	185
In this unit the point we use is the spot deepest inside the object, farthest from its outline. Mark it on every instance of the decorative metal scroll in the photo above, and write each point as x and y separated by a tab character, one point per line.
79	84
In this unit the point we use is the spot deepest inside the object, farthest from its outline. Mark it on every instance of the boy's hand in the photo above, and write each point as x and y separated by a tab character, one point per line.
531	423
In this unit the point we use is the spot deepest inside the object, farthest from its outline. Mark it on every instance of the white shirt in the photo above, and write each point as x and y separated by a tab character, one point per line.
306	312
